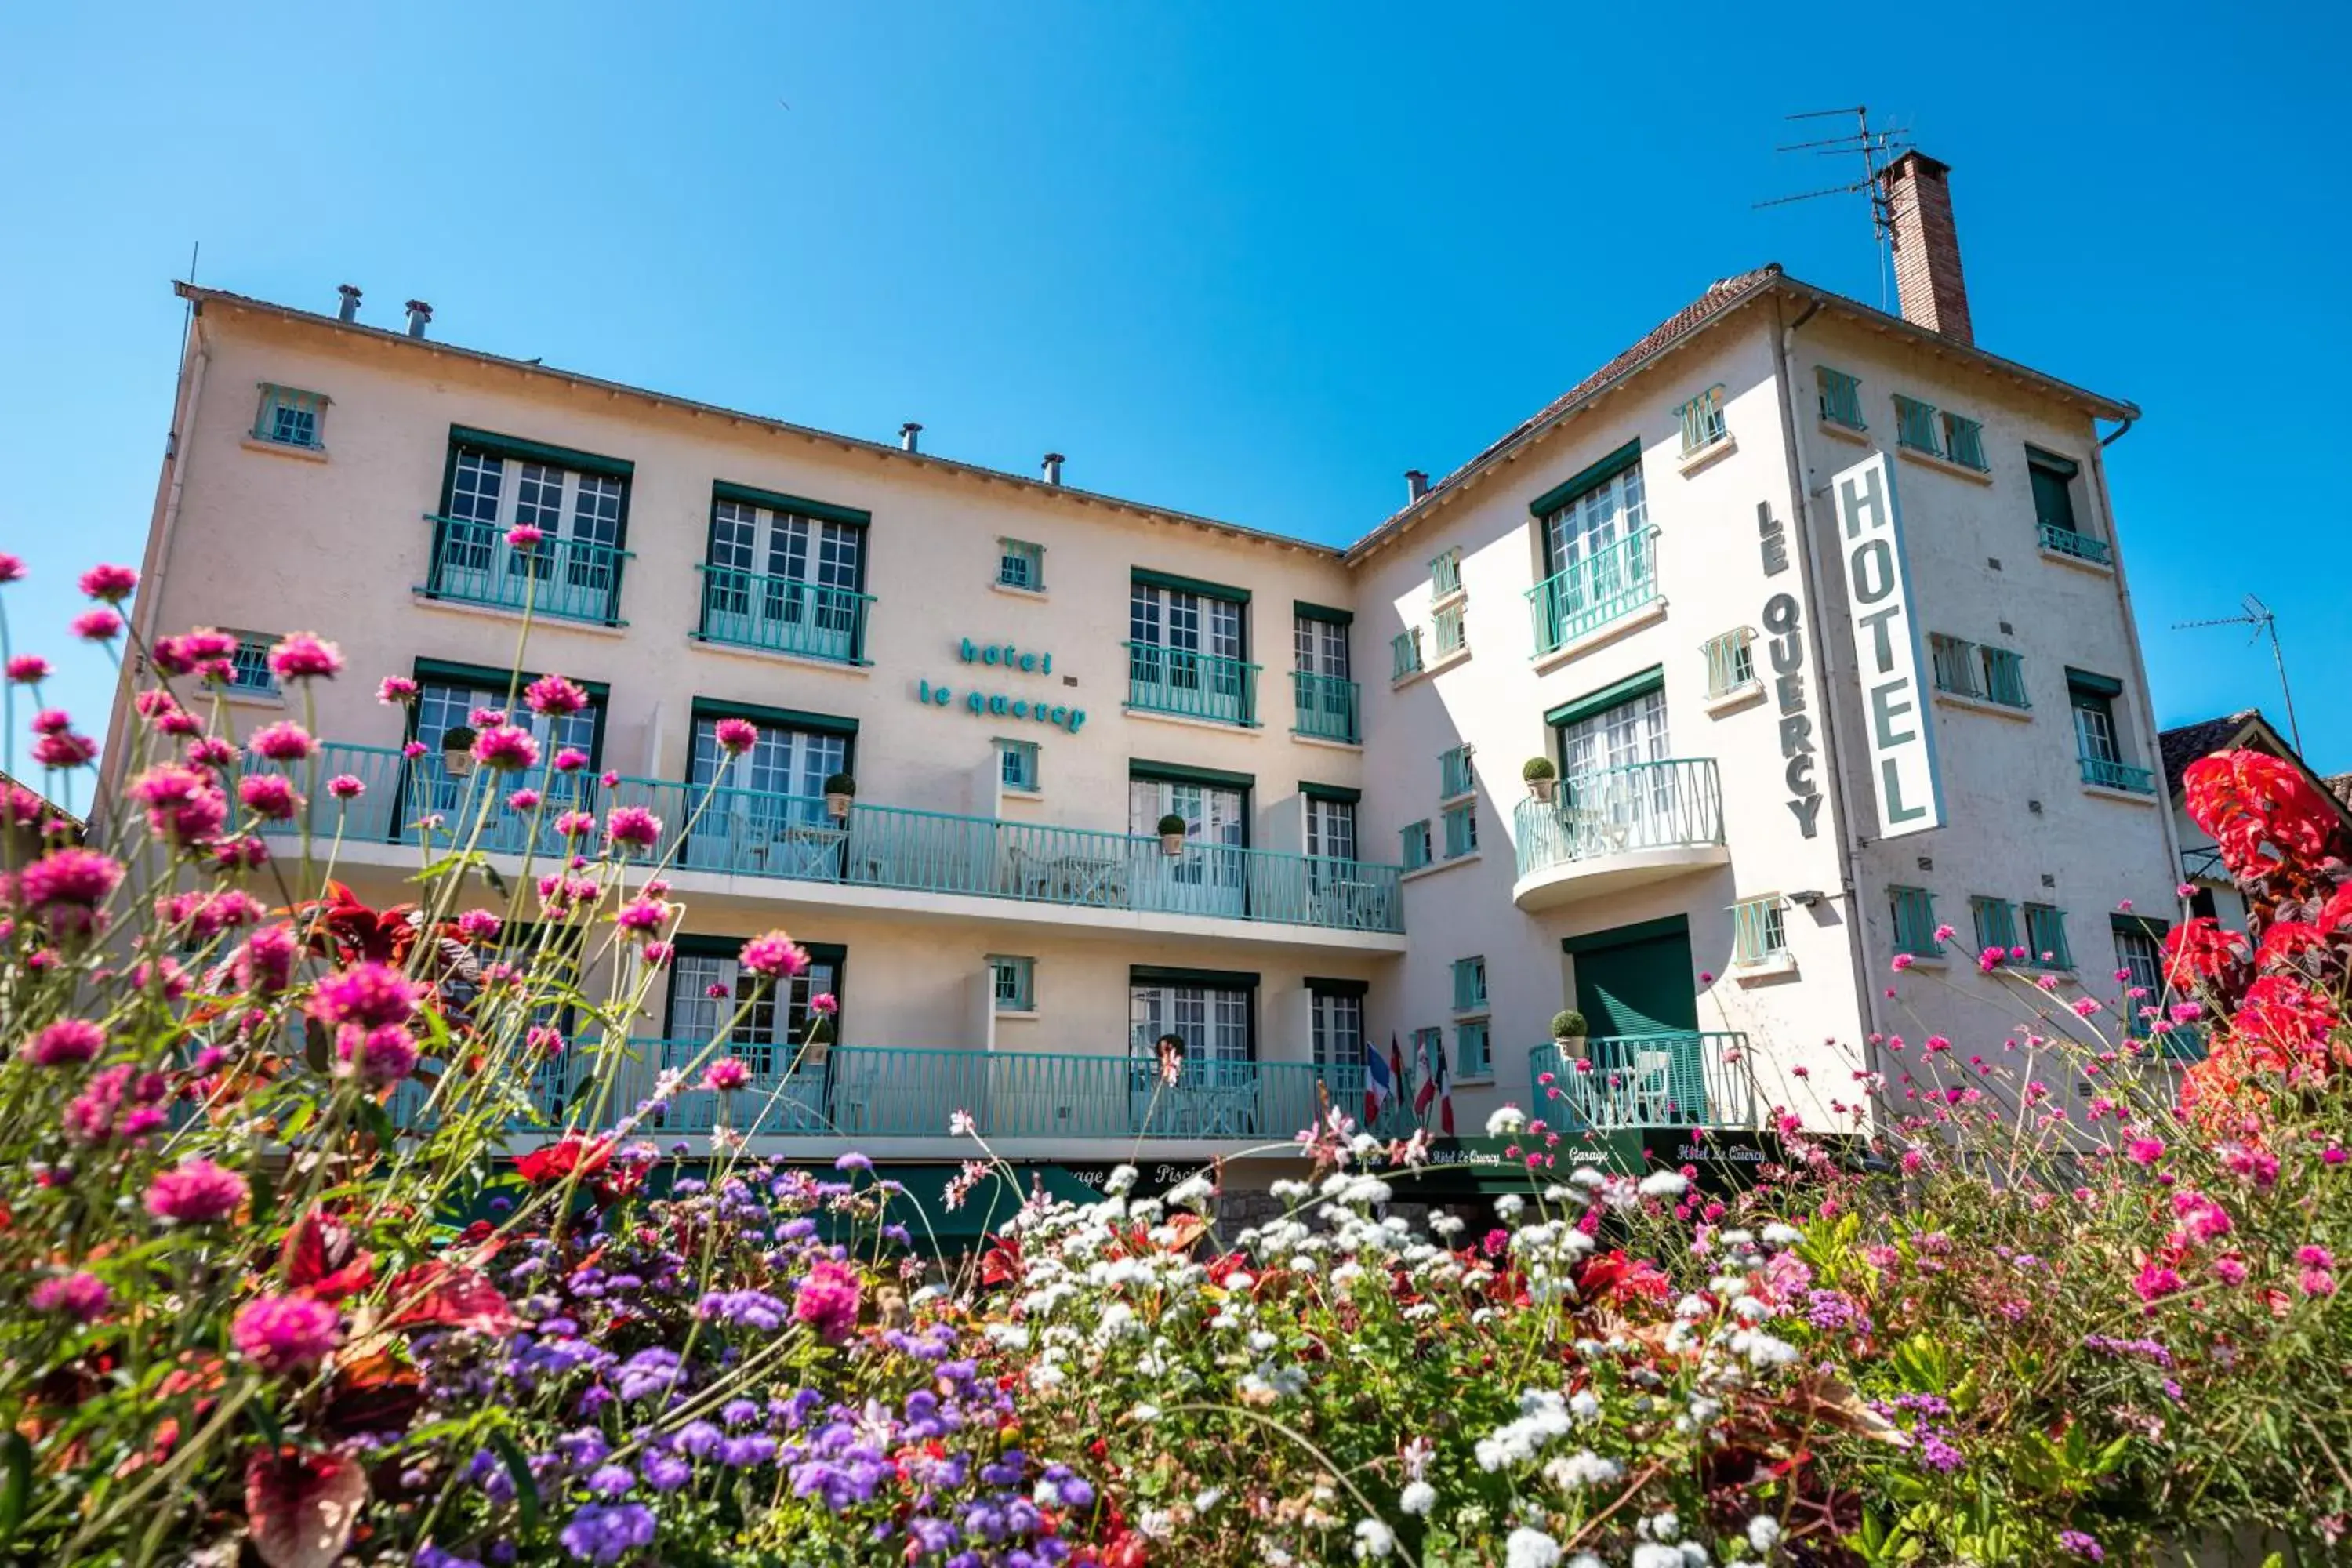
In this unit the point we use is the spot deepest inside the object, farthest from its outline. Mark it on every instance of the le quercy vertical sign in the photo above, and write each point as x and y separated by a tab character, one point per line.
1886	649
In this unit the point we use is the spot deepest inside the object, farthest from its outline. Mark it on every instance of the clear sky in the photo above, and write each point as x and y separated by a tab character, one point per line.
1247	260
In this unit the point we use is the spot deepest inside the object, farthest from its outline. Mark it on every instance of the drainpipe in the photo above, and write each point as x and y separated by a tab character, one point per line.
148	608
1849	858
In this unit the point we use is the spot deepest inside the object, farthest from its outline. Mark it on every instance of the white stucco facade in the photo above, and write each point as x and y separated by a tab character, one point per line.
337	535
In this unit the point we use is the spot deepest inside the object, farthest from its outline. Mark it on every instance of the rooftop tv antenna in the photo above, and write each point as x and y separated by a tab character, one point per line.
1877	148
2260	616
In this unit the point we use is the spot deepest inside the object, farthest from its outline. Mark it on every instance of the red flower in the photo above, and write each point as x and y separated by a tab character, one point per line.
549	1163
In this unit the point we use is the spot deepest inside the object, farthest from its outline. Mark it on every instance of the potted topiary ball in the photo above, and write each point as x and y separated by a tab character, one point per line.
1171	834
1542	778
1568	1032
839	791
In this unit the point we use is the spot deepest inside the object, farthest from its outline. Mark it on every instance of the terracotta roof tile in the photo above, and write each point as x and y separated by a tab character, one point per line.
2189	742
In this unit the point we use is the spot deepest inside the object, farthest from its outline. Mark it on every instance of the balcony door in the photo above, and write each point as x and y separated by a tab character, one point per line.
1582	543
789	1071
1211	877
1326	696
1214	1091
1604	788
766	815
580	514
447	702
1171	631
776	579
1637	991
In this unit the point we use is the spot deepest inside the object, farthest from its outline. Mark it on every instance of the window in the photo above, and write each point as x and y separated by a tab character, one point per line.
1915	425
1915	922
1597	559
2098	739
1625	736
1017	763
1446	574
1413	845
1730	662
1702	419
1015	984
771	1039
1461	829
2052	478
1330	828
1841	398
1404	650
1212	876
1455	775
1472	1058
1759	930
1338	1026
1020	564
1979	670
1213	1022
785	579
2140	960
2045	938
1452	636
289	416
449	698
578	505
1996	922
766	812
1185	654
1323	680
249	669
1470	985
1964	442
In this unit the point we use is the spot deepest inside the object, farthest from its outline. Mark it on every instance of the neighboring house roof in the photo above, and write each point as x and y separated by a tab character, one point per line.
1720	300
2246	728
8	780
2340	786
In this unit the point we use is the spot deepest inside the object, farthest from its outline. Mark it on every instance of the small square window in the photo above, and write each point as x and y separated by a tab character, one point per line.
1703	422
1454	775
289	416
1760	931
1015	981
1016	763
1730	662
1020	564
249	669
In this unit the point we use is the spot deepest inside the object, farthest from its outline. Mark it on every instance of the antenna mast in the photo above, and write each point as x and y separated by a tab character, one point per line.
2260	616
1876	149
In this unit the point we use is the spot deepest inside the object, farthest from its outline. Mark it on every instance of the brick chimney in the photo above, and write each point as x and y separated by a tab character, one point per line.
1927	247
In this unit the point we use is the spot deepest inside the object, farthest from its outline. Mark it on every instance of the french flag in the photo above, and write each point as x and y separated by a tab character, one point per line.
1380	1084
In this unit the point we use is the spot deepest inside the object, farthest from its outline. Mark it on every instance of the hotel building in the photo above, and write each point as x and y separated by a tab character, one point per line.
1817	612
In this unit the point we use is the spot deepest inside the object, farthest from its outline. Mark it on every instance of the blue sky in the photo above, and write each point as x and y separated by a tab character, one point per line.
1248	261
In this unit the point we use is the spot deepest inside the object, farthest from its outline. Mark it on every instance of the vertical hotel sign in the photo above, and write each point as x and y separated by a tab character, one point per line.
1886	649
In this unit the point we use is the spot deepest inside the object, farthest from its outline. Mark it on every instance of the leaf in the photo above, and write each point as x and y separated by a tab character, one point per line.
302	1507
16	1485
526	1486
442	1294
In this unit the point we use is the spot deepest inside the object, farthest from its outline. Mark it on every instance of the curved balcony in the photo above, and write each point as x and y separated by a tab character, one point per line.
1645	1080
1619	828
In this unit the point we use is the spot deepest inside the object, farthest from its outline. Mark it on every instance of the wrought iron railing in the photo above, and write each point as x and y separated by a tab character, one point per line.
782	614
2080	546
1611	810
1611	582
1697	1079
2108	773
1162	679
1329	708
562	579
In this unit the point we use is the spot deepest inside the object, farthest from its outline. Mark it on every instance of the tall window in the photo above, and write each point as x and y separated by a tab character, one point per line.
1617	737
2052	479
1338	1028
769	1036
1211	877
1321	647
2140	956
1213	1023
445	702
1591	527
1186	651
767	814
2096	738
779	578
569	506
1323	680
1330	828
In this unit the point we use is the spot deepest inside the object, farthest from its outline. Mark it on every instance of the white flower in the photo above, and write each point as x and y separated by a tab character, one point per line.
1763	1532
1509	1120
1662	1526
1583	1405
1582	1468
1444	1225
1585	1176
1662	1184
1156	1523
1779	1235
1203	1502
1509	1205
1373	1539
1530	1548
1417	1498
959	1124
1650	1554
1121	1178
1192	1193
1144	1415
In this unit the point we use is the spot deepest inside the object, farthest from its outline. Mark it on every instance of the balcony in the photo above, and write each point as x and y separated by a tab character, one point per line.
1606	585
1204	686
782	614
1698	1080
2106	773
867	1092
2075	546
1328	707
561	579
1617	829
746	833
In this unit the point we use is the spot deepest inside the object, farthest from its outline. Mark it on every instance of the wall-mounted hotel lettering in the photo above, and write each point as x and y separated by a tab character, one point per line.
997	704
1782	620
1886	649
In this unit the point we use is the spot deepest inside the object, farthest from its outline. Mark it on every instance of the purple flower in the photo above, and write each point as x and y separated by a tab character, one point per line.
738	1412
697	1437
602	1533
613	1481
649	1372
665	1472
2075	1543
746	1453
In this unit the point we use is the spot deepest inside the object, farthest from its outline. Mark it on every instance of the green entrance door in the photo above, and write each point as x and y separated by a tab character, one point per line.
1639	996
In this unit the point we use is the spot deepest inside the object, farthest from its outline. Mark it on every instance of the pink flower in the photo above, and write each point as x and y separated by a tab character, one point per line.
69	878
523	535
726	1074
302	656
659	953
2201	1218
2145	1150
412	750
95	626
736	736
182	804
2316	1282
195	1192
479	925
2155	1281
828	1301
1901	962
268	796
69	1042
385	1054
1944	933
64	749
576	824
118	1103
12	569
82	1296
546	1041
554	696
369	994
111	584
346	786
774	955
1990	959
285	1333
2124	904
717	991
2084	1006
570	759
2229	1268
27	668
395	692
631	826
1935	1043
265	965
1705	977
506	748
642	916
286	741
2315	1258
484	718
825	1004
523	800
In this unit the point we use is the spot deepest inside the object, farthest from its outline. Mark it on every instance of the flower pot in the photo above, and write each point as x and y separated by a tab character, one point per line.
1172	844
837	806
1542	789
1572	1046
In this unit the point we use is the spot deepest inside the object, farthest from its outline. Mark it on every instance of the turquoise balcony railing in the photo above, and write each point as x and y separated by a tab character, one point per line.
2081	546
564	579
1328	707
398	794
2109	775
1695	1080
1676	803
782	614
877	1091
1208	686
1613	581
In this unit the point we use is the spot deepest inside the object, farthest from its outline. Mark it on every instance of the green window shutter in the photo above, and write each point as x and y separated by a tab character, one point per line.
2054	499
798	506
2083	681
1341	793
1324	986
1643	987
1213	979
